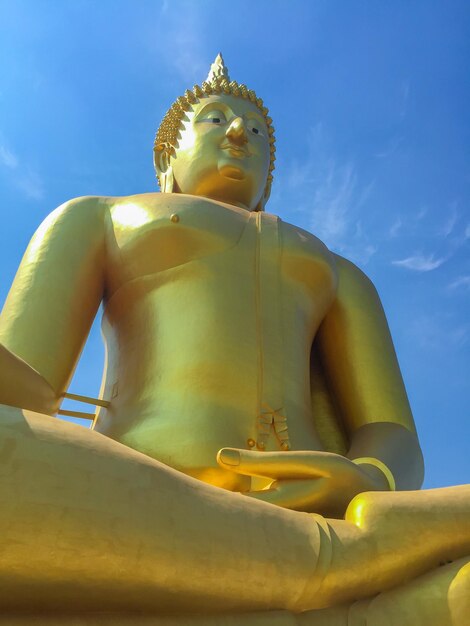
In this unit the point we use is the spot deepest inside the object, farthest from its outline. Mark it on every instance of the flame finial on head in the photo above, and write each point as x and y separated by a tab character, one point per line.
217	82
218	70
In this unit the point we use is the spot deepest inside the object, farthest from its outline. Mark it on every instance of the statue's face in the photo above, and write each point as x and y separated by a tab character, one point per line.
223	151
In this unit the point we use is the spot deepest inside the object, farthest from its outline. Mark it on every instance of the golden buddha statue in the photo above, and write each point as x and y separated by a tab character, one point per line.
252	425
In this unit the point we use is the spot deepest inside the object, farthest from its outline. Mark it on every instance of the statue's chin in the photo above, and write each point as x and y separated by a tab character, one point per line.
230	171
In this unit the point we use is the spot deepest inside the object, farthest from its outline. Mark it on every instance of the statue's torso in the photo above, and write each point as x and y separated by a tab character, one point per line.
209	320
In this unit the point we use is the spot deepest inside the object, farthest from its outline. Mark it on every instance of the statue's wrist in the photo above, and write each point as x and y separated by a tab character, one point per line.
380	465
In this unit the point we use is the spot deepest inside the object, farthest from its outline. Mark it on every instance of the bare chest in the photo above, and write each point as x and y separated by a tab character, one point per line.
173	230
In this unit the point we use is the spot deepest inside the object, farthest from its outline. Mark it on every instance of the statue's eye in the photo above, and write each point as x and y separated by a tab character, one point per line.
254	127
213	117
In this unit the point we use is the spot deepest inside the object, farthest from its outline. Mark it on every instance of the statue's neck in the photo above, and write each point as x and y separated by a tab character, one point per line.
225	200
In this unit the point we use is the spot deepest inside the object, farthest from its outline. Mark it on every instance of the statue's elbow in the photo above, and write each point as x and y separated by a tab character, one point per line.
23	387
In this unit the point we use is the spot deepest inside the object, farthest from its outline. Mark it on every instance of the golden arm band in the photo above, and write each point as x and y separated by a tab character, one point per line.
369	460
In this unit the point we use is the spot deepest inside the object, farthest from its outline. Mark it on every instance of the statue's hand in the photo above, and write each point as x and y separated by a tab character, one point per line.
316	482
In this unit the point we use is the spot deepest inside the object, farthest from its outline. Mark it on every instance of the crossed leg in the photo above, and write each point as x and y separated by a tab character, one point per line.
87	522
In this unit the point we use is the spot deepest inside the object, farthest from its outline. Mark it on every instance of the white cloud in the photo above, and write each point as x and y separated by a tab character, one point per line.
183	34
390	149
420	262
326	192
7	158
448	236
395	227
438	331
31	184
365	194
462	282
23	178
332	202
404	97
459	335
450	222
423	211
359	254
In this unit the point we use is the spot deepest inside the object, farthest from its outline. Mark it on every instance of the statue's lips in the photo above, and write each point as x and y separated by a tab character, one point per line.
236	150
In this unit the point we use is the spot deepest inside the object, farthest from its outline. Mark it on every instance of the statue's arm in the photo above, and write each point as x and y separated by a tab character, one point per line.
51	305
364	378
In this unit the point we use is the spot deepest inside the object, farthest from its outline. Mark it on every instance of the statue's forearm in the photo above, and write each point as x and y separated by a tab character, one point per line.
23	387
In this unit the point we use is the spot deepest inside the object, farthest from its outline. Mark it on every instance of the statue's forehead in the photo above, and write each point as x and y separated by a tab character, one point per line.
239	106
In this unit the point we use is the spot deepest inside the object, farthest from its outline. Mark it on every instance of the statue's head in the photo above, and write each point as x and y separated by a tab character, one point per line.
217	141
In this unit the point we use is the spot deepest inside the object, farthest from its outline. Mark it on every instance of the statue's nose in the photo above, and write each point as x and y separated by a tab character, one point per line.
236	131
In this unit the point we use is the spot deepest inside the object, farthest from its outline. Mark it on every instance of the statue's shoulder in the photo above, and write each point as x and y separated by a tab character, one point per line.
306	238
81	209
84	215
84	205
102	205
350	276
91	212
307	244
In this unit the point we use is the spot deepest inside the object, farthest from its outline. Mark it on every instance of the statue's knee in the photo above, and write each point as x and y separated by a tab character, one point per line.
360	511
458	596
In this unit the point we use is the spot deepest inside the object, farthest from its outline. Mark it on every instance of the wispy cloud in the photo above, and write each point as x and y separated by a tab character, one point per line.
420	262
20	175
390	149
459	335
332	200
184	34
359	254
328	194
462	282
450	222
421	214
404	97
395	227
165	5
31	184
7	158
436	331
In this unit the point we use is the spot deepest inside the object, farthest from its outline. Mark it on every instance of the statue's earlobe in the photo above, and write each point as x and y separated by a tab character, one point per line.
264	198
167	181
161	159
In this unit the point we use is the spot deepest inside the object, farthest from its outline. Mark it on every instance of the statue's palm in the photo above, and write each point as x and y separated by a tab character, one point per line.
316	482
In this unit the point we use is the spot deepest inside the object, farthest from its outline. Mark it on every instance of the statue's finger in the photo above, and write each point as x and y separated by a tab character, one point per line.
266	495
275	465
299	495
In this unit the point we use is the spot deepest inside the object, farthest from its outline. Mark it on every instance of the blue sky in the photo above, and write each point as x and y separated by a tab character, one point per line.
370	103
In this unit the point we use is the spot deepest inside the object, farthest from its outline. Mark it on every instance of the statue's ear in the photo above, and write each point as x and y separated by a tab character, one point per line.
264	198
162	154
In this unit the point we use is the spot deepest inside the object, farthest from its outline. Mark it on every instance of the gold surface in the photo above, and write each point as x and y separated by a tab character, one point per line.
368	460
218	82
248	371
